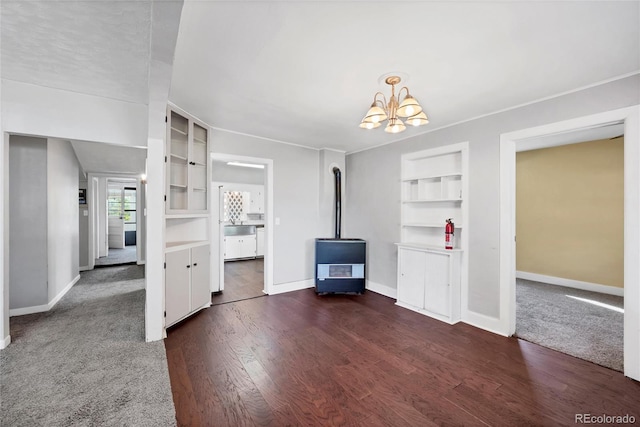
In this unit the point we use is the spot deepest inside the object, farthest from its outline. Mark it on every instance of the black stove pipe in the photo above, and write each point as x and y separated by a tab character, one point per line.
337	174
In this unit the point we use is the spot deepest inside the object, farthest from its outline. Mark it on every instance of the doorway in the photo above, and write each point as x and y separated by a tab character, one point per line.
242	265
570	252
514	141
122	223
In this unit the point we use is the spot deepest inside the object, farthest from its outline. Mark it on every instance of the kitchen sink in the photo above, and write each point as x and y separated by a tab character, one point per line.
239	230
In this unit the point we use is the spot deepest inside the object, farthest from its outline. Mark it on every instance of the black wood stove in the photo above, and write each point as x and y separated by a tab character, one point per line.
340	263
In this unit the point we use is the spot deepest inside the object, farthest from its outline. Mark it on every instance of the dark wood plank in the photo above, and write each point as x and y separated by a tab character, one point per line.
300	359
242	279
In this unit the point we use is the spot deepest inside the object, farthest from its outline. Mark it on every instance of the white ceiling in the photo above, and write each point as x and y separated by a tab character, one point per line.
111	159
95	47
306	72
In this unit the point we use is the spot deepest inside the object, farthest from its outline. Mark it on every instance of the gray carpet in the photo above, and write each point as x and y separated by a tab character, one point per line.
126	255
85	362
551	316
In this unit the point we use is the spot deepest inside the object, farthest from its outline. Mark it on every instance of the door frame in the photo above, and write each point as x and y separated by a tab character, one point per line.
93	204
509	144
268	220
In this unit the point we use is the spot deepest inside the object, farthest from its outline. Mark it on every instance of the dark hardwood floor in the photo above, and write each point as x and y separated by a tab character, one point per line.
302	360
242	279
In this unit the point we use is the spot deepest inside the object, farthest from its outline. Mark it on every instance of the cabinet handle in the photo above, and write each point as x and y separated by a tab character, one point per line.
188	266
195	263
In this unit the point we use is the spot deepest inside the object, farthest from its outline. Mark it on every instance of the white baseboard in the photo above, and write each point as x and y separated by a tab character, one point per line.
84	268
570	283
46	307
281	288
482	321
5	342
385	290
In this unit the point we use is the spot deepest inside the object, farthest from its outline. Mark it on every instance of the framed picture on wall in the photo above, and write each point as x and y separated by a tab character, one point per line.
82	196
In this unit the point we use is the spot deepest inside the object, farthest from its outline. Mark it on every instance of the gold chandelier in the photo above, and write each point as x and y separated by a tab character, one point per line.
381	110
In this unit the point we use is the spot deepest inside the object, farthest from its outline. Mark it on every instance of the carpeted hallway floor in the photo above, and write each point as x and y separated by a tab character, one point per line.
85	362
588	325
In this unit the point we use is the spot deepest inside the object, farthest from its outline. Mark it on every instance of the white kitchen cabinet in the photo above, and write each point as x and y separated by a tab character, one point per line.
186	282
429	281
260	241
257	202
239	247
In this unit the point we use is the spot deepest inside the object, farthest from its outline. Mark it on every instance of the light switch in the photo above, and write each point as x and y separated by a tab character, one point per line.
85	212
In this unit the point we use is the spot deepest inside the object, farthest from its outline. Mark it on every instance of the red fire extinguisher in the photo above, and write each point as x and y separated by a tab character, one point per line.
448	234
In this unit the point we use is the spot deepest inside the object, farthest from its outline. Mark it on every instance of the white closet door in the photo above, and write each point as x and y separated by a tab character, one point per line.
412	277
436	298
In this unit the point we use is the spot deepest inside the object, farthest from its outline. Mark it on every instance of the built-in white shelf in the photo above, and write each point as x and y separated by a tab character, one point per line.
431	177
432	201
427	225
179	131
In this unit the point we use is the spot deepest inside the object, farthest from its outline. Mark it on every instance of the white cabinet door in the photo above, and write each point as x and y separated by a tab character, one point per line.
200	287
257	202
177	289
186	164
411	280
239	247
248	244
232	247
260	242
437	296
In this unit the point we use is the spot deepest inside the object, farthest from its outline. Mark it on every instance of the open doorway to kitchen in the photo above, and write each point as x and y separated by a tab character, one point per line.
242	209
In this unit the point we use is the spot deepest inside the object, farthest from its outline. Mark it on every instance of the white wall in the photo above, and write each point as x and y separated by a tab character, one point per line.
37	110
28	271
295	200
221	172
63	234
373	211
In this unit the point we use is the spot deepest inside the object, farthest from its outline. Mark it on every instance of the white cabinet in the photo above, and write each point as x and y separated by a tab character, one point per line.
239	247
434	188
186	219
186	282
257	202
429	281
260	241
186	164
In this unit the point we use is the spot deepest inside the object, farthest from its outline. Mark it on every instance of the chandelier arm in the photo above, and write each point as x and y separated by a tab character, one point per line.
400	91
382	103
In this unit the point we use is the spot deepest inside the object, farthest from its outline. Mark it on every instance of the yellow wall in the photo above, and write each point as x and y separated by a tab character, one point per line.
569	212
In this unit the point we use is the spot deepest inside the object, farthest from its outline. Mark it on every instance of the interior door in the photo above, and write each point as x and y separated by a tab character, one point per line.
116	216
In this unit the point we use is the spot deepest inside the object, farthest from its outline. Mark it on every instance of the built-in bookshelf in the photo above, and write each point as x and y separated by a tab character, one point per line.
434	189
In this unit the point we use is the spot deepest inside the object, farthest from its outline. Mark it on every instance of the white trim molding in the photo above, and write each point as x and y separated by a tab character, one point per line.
381	289
509	145
482	321
46	307
4	343
282	288
570	283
